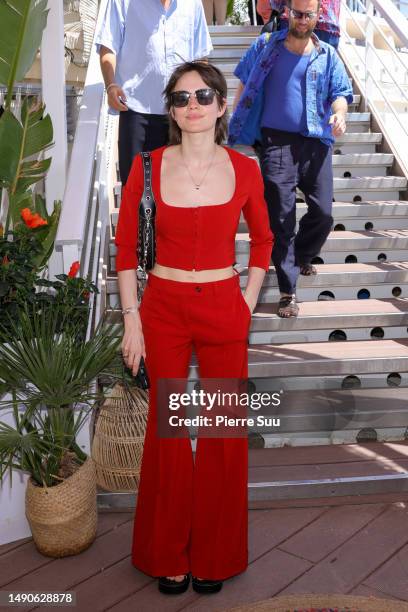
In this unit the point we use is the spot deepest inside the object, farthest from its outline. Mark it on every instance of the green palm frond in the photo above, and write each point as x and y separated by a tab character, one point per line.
22	24
60	369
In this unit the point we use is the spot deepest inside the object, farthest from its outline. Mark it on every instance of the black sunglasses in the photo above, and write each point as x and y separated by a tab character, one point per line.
203	96
299	14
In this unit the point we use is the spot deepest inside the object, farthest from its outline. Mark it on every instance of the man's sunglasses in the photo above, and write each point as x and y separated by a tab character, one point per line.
203	96
299	14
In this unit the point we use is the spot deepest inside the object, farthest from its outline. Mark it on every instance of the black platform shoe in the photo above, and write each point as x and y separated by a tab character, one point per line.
171	587
206	586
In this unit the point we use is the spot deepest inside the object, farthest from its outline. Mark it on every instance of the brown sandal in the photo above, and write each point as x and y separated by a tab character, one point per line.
288	307
307	269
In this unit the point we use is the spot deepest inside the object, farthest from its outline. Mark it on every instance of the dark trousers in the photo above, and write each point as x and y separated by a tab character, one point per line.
139	132
289	160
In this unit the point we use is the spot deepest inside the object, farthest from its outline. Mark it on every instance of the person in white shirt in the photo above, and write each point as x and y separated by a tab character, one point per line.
140	44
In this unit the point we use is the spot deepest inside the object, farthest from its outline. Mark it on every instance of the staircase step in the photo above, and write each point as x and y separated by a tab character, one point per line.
340	241
352	142
361	164
339	320
345	275
353	215
368	188
336	314
325	358
357	164
232	40
233	30
226	53
358	122
367	246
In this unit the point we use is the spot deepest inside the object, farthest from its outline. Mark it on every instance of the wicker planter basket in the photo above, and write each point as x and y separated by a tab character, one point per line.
63	518
117	444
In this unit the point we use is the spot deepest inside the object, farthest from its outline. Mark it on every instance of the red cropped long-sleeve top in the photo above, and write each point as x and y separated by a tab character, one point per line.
196	237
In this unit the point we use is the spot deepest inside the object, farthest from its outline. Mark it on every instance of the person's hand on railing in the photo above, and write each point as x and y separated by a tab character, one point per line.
116	97
338	123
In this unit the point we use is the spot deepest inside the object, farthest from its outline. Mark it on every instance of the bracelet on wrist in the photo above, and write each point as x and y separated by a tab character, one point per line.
126	311
111	85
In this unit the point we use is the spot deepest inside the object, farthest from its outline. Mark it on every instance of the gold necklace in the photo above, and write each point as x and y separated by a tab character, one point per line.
198	185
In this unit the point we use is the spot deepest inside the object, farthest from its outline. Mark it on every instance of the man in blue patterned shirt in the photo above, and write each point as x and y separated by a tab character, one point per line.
140	43
327	27
292	99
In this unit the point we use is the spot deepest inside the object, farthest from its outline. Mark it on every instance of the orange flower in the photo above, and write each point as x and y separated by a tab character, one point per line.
73	271
32	220
5	261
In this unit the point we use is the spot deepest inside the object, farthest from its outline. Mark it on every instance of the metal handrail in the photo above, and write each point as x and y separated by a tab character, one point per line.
391	14
377	28
371	46
370	77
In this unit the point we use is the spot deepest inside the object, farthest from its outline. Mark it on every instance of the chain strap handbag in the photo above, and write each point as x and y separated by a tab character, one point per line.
146	247
146	244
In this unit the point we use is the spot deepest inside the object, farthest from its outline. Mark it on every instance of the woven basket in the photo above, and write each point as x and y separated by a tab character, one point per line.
63	518
117	445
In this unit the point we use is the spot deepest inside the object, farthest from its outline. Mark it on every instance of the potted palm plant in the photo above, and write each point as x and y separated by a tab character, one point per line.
48	368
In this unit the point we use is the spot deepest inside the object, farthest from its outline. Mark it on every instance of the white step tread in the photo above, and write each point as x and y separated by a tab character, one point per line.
328	275
338	241
234	30
358	117
369	210
335	314
350	274
370	182
363	137
326	358
346	138
347	159
363	159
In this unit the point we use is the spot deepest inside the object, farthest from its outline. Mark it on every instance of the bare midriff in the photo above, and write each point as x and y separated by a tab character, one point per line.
192	276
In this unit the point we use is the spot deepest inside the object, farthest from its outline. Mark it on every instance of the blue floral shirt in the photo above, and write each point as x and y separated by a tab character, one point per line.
326	80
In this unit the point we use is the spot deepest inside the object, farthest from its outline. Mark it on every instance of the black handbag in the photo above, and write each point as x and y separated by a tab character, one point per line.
146	248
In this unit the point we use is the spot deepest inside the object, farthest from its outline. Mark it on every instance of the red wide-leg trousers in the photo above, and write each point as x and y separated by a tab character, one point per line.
192	516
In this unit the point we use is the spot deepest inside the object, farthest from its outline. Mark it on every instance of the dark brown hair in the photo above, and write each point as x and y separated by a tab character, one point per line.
211	77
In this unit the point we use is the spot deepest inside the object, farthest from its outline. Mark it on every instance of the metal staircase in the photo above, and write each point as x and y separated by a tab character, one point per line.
342	364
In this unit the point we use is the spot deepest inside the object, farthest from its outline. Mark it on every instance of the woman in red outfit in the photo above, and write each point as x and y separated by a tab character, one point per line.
191	517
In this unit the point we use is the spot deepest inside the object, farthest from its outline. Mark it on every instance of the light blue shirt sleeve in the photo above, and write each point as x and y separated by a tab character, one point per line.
340	85
202	39
247	61
111	27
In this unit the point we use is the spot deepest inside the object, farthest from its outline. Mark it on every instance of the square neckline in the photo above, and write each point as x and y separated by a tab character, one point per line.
160	198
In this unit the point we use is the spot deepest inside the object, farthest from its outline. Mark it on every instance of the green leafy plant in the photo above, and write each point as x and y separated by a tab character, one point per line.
23	141
22	282
50	376
21	146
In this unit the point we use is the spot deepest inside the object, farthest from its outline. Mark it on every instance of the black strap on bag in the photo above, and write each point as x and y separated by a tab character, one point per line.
146	244
146	248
